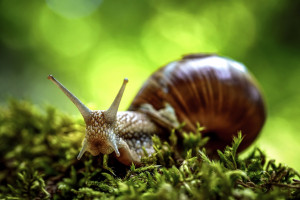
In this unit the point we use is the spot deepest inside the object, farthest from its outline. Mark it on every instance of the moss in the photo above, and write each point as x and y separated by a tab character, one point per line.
38	161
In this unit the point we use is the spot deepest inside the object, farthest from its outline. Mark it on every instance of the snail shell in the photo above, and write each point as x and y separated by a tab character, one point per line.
216	92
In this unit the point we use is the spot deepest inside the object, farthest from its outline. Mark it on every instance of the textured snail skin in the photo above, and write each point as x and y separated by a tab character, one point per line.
216	92
107	131
131	131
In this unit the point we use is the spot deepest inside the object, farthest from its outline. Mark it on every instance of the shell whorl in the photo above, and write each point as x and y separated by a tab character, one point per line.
216	92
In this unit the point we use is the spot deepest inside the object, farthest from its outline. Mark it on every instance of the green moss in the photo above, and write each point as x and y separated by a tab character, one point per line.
38	160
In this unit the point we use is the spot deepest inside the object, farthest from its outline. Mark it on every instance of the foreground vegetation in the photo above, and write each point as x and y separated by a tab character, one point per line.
38	161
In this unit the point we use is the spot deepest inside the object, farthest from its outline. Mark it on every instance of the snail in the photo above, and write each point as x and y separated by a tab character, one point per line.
216	92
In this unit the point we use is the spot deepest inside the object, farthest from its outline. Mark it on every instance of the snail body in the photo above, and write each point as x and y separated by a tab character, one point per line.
214	91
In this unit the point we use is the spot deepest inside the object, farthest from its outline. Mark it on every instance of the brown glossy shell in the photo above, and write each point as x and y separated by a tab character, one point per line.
217	92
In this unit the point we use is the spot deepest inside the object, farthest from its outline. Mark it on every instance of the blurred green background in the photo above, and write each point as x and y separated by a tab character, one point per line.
91	45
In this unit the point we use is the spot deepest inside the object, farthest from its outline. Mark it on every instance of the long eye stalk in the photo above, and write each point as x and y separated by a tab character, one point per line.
111	113
85	111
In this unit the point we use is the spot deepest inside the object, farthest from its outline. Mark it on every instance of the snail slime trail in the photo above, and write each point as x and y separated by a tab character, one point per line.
214	91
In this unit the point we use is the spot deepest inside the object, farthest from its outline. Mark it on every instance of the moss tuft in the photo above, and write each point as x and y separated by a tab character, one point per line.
38	161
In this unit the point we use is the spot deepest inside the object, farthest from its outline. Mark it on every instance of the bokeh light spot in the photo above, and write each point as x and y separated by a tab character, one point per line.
73	8
67	37
180	33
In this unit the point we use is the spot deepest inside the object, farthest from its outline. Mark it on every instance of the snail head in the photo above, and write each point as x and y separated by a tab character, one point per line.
100	136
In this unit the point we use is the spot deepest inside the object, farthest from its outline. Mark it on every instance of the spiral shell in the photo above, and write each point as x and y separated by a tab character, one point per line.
217	92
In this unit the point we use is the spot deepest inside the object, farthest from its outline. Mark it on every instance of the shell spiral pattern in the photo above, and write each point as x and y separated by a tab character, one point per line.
216	92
